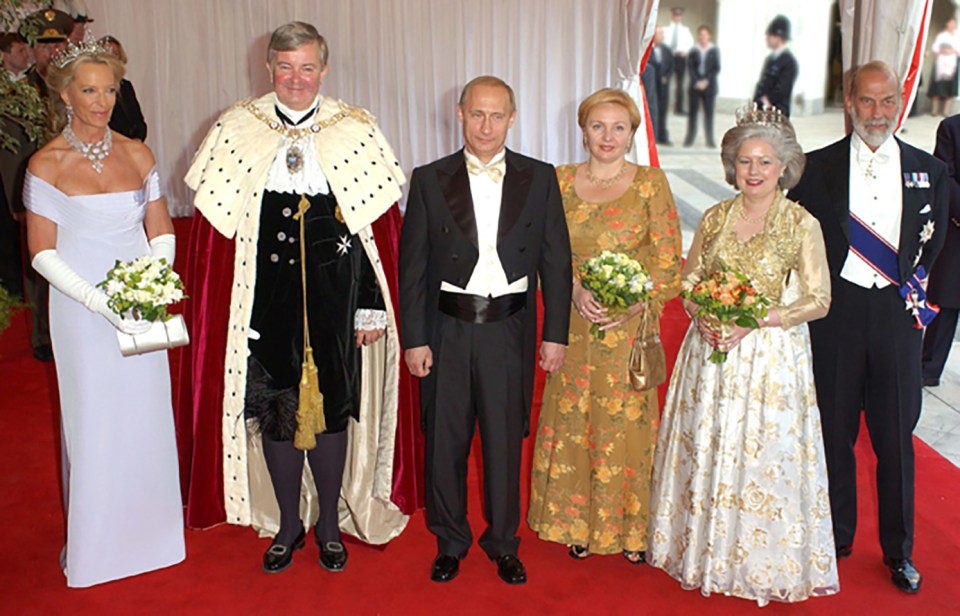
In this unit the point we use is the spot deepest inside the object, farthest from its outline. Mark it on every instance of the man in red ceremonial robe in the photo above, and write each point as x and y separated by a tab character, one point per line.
262	160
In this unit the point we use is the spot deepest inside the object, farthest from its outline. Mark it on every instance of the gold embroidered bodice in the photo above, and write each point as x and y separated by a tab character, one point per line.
790	245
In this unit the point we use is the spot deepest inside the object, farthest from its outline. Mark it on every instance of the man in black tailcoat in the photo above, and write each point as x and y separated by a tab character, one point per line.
944	289
882	207
482	228
775	88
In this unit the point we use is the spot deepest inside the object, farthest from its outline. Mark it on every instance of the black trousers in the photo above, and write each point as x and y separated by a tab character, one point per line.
937	342
866	355
663	107
679	69
706	98
477	370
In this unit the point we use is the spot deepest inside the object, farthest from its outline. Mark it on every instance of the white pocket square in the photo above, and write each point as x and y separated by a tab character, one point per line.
925	209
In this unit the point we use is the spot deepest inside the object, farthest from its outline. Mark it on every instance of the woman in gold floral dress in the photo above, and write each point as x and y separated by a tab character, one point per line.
590	485
739	501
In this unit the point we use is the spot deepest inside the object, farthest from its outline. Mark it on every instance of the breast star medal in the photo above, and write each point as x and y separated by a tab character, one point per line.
926	232
344	246
294	159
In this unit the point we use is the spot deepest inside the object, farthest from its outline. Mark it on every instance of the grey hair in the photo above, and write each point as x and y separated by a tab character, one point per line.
780	136
294	35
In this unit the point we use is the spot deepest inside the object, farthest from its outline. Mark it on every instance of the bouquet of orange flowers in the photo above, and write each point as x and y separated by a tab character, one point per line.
727	298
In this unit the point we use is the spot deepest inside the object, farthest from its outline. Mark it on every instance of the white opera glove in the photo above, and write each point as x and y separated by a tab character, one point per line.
164	247
66	280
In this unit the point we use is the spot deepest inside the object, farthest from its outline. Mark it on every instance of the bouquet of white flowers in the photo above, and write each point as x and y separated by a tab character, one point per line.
144	288
616	281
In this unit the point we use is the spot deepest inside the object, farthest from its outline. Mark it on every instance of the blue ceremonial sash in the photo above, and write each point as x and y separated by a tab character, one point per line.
882	257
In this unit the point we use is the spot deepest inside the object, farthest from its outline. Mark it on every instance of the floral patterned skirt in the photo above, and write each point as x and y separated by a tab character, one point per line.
739	500
590	483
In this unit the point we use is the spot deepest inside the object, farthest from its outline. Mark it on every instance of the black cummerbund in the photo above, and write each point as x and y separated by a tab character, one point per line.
476	309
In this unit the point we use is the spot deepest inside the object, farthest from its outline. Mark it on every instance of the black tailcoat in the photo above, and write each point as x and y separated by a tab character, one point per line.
439	243
866	351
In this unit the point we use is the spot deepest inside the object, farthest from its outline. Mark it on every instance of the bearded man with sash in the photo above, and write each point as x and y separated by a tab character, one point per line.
292	280
882	206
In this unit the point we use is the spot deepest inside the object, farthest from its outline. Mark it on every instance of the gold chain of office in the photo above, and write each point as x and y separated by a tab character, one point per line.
295	134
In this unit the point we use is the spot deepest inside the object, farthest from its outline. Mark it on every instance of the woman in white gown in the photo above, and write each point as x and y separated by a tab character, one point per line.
93	197
739	503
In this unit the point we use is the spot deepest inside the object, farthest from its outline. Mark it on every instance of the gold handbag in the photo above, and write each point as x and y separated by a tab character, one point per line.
310	419
648	362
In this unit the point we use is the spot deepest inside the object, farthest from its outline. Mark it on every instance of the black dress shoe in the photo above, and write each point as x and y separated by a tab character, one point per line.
903	574
511	570
44	353
445	568
333	555
844	551
279	557
931	382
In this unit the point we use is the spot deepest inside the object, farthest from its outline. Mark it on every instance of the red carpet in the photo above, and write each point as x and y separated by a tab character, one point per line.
222	571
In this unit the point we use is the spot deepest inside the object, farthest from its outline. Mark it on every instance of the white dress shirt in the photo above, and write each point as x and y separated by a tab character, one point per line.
678	38
488	278
876	198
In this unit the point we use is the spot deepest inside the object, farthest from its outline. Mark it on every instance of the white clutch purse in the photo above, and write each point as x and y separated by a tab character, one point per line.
161	335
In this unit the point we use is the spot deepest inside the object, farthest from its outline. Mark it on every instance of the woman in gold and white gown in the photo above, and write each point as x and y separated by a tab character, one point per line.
739	503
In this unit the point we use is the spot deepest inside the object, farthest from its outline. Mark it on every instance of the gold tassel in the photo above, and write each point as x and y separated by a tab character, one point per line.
310	419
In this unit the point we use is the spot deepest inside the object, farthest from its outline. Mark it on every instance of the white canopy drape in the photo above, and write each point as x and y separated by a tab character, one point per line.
405	60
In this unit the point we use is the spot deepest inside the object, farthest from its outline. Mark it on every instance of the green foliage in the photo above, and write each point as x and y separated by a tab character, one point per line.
10	304
19	102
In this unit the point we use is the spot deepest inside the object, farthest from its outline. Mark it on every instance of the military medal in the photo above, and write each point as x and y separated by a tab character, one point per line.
294	158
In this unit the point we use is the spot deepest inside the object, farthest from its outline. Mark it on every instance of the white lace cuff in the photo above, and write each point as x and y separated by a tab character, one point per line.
368	318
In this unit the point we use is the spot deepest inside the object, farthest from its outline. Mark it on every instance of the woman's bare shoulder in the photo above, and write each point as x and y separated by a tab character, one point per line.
47	162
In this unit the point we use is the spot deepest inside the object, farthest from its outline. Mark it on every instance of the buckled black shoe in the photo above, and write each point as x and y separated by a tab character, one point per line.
903	574
333	555
511	570
279	557
844	551
445	568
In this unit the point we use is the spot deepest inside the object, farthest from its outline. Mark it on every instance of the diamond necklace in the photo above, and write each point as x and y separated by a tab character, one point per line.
94	152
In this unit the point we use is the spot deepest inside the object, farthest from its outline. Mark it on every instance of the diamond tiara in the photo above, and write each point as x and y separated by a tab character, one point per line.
751	114
88	46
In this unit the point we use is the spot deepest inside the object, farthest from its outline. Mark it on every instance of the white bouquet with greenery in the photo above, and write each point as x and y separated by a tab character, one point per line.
143	288
616	281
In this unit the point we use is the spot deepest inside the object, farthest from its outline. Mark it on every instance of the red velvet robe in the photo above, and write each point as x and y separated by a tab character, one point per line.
199	406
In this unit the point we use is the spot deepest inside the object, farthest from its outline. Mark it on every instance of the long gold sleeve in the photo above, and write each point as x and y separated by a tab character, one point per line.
665	242
813	278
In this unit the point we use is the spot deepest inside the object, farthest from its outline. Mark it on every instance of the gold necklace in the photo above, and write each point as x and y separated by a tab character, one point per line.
754	221
605	182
